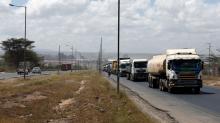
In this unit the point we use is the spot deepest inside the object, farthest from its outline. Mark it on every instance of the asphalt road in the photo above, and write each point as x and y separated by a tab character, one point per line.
185	107
6	75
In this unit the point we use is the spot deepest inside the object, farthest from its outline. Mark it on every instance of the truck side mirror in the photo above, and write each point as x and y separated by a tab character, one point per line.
169	66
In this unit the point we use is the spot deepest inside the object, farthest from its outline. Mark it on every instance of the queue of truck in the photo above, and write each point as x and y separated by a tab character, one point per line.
177	68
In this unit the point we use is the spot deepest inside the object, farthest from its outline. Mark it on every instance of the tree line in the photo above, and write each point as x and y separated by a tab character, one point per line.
16	50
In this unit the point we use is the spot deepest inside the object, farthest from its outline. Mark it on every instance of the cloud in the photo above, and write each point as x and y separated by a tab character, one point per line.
146	25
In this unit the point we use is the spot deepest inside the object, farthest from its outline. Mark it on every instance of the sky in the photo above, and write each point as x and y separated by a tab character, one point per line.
147	26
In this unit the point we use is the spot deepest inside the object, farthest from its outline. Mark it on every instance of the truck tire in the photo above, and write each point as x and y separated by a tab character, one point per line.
149	82
132	77
128	76
170	90
146	77
154	83
161	86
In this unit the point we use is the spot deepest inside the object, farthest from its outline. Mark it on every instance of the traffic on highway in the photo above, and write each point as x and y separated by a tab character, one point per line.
110	61
178	72
178	68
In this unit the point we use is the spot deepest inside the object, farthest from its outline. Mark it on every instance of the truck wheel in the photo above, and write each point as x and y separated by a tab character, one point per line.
128	76
149	83
153	83
147	78
164	88
170	90
132	77
160	87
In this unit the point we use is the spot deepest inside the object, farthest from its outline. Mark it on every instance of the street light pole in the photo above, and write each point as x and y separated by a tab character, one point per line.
118	77
59	60
210	46
72	60
25	36
76	62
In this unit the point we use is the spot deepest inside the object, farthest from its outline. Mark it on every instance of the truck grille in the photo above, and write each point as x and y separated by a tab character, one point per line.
187	76
141	71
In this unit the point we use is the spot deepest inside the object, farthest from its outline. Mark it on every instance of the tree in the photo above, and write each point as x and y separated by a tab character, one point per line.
14	52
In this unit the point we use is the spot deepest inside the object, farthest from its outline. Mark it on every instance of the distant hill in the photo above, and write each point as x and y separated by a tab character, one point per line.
92	55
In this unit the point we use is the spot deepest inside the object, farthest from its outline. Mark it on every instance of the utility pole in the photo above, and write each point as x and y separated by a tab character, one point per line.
118	77
209	59
79	60
59	59
76	62
72	60
25	36
100	58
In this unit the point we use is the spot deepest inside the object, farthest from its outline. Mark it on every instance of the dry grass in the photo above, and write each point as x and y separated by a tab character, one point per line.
211	80
83	97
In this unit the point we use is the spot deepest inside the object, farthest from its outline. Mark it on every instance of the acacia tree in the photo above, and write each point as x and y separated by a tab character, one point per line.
14	52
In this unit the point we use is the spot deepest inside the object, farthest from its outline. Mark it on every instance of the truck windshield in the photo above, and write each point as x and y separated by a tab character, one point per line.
140	64
124	65
186	65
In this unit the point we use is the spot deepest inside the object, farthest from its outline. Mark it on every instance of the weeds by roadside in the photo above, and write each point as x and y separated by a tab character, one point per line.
82	97
211	80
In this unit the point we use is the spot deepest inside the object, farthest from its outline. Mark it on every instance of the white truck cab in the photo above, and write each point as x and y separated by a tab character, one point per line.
137	69
123	66
184	68
178	68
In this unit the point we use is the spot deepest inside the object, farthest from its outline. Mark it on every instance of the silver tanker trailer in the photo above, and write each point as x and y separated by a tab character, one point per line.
178	68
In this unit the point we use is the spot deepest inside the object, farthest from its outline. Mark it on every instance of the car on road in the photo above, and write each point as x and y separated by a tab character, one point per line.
36	70
21	71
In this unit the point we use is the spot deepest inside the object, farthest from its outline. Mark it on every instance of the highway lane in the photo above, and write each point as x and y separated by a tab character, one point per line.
7	75
185	107
209	98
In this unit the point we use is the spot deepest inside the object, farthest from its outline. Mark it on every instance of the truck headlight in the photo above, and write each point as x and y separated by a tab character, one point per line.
173	75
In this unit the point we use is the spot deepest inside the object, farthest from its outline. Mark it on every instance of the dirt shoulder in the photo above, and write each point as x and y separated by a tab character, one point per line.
78	97
211	81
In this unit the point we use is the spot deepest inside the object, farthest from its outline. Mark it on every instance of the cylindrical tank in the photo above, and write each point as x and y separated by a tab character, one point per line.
157	65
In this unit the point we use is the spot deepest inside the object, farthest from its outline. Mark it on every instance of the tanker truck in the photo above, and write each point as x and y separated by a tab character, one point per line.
178	68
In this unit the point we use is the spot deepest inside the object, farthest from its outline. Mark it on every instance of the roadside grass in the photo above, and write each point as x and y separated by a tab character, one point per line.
80	97
211	80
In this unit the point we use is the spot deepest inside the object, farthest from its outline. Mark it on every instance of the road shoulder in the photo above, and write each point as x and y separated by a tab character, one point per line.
143	105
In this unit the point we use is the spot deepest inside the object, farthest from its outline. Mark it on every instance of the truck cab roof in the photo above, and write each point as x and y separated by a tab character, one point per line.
127	60
139	60
181	52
